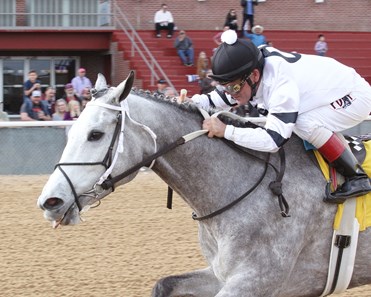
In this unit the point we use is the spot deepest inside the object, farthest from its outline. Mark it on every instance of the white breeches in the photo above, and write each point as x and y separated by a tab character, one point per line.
316	126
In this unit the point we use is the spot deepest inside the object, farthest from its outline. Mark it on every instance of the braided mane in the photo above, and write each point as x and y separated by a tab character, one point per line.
227	118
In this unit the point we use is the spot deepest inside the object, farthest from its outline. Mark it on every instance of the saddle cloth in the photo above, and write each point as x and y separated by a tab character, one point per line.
362	150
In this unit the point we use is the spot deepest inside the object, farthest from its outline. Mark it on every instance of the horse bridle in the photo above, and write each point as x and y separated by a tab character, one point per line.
106	162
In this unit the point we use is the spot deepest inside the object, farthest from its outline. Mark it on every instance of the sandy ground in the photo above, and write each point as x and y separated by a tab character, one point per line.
122	248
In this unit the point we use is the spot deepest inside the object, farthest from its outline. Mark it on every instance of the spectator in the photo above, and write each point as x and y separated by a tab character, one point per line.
85	98
164	21
231	20
60	110
31	84
85	95
217	37
35	109
169	92
184	47
49	97
321	46
207	84
203	65
80	82
69	93
161	86
256	36
74	110
247	15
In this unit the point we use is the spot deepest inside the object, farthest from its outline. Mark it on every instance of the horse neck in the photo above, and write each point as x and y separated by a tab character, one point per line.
202	167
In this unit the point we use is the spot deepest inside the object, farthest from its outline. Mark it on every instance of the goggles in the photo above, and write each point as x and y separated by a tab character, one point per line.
235	88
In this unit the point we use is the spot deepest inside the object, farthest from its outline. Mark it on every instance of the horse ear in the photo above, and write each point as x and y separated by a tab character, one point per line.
101	82
128	84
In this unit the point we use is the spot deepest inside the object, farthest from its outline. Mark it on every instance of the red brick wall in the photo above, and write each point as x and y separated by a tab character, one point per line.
120	68
21	10
332	15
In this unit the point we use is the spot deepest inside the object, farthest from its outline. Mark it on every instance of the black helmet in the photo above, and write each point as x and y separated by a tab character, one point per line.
235	58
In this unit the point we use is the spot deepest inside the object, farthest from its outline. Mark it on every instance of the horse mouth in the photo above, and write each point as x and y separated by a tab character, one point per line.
70	217
56	211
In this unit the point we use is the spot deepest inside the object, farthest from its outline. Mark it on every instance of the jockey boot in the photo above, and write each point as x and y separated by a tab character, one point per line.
356	182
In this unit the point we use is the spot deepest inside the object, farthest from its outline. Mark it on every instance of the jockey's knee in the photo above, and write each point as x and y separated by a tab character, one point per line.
314	134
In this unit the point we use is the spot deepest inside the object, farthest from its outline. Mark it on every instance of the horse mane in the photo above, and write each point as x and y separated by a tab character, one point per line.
188	106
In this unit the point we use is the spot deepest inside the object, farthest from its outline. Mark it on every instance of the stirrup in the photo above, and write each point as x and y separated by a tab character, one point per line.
330	197
333	198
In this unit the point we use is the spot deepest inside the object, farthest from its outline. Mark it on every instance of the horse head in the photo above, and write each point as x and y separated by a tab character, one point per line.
94	145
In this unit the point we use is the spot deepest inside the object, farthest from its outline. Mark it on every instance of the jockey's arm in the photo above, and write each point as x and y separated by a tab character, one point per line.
203	100
282	105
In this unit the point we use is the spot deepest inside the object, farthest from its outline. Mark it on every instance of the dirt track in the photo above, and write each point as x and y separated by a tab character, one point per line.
125	245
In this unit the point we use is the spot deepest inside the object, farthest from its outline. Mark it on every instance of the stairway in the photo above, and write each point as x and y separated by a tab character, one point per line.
164	52
350	48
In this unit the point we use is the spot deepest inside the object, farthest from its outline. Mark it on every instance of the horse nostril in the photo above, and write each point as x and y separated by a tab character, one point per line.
52	203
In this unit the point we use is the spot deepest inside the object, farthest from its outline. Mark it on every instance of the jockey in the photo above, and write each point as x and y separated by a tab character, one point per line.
313	96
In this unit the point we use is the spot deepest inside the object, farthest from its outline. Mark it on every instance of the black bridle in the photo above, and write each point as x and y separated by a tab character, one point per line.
106	162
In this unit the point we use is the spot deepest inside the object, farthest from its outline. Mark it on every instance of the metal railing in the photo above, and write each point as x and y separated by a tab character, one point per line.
138	45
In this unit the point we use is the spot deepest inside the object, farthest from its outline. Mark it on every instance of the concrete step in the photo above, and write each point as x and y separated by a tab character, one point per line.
350	48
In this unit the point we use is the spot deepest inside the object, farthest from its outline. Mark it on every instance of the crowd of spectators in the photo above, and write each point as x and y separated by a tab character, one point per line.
39	105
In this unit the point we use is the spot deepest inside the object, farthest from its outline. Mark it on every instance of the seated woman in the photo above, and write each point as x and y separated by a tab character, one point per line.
203	65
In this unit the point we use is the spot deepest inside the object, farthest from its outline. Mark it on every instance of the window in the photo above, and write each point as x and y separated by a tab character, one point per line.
7	13
69	13
52	71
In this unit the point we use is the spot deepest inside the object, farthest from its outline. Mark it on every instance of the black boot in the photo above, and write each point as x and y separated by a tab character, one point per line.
356	182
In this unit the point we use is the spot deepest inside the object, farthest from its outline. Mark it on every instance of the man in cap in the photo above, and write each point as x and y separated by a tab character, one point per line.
69	93
161	86
313	96
35	109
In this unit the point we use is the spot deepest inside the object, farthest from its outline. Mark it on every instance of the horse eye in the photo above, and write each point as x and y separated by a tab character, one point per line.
95	135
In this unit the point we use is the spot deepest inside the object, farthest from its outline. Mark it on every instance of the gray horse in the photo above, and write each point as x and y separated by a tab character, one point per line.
250	248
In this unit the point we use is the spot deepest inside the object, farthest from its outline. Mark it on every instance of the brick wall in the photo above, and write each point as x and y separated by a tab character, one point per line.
120	67
332	15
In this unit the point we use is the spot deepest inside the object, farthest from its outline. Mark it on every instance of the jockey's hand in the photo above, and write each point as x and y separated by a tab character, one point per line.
215	127
183	96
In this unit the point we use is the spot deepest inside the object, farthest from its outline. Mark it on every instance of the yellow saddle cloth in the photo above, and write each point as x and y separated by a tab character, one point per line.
363	205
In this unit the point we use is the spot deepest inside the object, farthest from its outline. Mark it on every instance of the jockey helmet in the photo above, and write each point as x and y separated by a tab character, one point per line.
235	58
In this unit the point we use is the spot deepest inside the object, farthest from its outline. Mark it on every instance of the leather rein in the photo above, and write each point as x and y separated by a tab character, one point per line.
109	181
